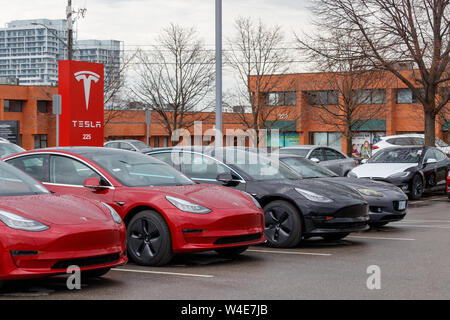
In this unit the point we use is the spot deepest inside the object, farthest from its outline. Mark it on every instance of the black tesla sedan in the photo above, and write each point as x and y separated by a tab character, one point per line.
387	203
413	169
294	208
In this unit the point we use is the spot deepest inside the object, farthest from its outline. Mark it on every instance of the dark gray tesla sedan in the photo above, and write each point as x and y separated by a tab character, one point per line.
387	203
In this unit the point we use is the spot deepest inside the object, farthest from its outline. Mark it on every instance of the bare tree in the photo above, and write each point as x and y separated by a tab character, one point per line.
389	33
256	59
115	94
175	78
349	93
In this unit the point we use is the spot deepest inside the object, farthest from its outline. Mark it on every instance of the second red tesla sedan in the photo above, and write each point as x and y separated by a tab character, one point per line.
43	234
165	212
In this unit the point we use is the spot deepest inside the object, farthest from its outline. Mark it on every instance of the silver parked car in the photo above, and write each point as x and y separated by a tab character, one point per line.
327	157
130	145
7	148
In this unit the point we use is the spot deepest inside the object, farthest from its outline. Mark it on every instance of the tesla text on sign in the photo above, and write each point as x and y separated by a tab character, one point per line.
81	88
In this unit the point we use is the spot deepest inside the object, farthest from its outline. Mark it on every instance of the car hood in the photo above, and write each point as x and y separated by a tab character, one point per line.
381	170
53	209
354	183
207	195
328	189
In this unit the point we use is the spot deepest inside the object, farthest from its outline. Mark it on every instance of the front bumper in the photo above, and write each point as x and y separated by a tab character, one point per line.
51	252
349	219
218	229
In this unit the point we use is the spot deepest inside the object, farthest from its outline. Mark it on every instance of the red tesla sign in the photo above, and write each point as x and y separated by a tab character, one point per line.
81	89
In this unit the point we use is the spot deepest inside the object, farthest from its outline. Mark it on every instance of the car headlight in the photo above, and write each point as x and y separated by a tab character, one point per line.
352	175
403	174
187	206
313	196
117	219
257	204
370	193
17	222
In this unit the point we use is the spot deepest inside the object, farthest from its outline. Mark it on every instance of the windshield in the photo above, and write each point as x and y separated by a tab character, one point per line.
14	182
403	155
7	149
138	170
308	169
298	152
256	166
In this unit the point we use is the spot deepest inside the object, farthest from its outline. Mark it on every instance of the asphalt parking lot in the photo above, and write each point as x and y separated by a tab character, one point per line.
413	257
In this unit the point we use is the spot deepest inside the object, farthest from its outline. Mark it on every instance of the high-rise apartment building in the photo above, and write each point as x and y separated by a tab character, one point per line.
30	51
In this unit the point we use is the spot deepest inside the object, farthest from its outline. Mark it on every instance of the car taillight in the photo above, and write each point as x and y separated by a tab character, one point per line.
375	147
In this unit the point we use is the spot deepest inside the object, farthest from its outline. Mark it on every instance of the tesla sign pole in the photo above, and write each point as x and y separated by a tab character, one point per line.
57	112
218	137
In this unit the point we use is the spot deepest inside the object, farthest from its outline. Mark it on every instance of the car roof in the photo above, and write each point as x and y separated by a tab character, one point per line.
309	146
407	135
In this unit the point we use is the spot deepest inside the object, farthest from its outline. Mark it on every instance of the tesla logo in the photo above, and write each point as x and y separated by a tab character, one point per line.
87	77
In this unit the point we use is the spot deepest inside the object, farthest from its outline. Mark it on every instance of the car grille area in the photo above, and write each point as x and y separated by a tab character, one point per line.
86	262
355	211
238	239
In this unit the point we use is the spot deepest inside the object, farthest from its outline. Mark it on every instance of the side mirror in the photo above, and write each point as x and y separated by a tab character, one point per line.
363	161
431	161
226	178
92	183
315	160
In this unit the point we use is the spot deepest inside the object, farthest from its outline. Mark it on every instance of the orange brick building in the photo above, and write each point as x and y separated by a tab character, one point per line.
290	100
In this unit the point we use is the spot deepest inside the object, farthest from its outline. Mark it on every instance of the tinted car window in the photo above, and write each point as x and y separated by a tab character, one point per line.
112	145
298	152
65	170
164	157
15	183
199	166
126	146
398	155
317	153
308	169
333	155
35	166
440	156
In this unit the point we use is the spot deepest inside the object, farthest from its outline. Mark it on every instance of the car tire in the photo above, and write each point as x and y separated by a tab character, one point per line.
416	188
97	273
334	236
231	253
149	239
283	225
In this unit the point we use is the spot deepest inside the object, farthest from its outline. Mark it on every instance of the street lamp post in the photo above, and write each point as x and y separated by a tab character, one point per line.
219	135
69	31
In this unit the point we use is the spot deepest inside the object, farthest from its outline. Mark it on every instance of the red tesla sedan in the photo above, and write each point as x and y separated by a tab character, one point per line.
165	212
448	184
42	234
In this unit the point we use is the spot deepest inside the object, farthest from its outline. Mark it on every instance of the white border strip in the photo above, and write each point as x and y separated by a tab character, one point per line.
165	273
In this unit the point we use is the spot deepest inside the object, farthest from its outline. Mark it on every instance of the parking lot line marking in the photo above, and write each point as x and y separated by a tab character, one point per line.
291	252
437	221
422	226
165	273
381	238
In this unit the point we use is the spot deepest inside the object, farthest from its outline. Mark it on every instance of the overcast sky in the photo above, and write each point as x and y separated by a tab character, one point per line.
139	22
